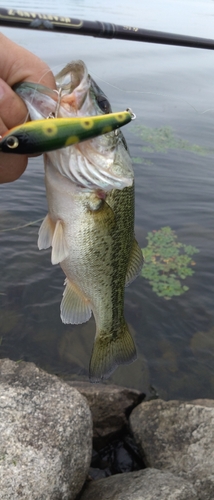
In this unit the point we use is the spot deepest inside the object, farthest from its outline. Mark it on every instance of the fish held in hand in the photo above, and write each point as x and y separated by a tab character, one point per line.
45	135
90	221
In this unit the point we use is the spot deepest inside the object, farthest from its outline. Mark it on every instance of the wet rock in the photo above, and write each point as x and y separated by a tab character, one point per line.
147	484
110	406
178	436
45	435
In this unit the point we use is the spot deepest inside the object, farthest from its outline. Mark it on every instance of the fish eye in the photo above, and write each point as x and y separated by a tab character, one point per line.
103	104
12	142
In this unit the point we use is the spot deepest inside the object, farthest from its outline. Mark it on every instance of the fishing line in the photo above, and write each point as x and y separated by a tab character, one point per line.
57	67
207	111
152	93
20	227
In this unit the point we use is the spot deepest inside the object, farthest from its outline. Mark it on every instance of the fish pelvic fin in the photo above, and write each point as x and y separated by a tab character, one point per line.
59	246
74	307
109	351
52	234
46	233
135	263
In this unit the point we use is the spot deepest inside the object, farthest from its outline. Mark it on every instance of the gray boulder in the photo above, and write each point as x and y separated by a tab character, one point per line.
109	405
178	436
147	484
45	435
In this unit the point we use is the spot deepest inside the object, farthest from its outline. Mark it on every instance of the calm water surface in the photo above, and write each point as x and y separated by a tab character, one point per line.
165	86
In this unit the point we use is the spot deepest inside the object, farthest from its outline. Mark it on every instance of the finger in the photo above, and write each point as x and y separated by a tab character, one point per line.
18	64
12	109
11	166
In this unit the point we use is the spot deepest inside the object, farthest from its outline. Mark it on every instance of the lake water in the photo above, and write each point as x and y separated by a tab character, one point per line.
165	87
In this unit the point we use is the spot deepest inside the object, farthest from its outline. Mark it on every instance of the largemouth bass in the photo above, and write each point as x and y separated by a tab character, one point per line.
90	221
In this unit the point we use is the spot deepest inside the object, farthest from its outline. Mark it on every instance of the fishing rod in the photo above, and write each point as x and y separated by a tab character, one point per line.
63	24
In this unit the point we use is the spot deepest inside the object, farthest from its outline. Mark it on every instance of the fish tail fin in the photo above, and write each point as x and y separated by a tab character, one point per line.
109	351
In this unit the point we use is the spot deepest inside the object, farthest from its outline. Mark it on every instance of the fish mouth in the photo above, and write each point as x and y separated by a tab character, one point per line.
72	83
70	77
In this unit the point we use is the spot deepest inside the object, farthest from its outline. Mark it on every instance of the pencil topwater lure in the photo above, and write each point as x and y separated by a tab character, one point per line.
45	135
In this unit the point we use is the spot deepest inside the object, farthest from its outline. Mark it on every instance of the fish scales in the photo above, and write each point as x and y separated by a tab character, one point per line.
90	221
122	204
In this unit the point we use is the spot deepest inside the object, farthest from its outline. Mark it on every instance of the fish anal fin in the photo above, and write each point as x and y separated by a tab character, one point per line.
46	233
59	246
74	307
135	263
109	351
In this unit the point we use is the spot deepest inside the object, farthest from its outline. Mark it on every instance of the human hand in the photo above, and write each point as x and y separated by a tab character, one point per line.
17	64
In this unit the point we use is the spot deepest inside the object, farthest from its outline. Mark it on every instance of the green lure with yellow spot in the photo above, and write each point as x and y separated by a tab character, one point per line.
45	135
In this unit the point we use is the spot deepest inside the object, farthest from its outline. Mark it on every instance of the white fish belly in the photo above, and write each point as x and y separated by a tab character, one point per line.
88	232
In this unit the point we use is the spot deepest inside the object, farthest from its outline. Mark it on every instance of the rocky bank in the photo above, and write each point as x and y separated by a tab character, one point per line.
163	451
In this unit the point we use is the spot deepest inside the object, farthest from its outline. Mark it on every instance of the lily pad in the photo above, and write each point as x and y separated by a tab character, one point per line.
166	262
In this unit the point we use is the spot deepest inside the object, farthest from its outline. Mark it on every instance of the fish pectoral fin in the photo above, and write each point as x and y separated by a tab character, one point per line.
46	233
109	351
135	263
59	246
75	308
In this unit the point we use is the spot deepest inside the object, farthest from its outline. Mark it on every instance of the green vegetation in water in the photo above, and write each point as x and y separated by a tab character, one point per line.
165	261
163	138
137	159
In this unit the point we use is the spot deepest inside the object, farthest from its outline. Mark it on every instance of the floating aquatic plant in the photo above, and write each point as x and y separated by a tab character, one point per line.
137	159
166	262
163	138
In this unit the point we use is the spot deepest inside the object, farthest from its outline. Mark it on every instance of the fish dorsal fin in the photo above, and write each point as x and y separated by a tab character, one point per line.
59	246
74	307
135	263
46	232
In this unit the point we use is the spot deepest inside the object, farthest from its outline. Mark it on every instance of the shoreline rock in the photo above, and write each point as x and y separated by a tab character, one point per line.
178	437
45	435
46	441
147	484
